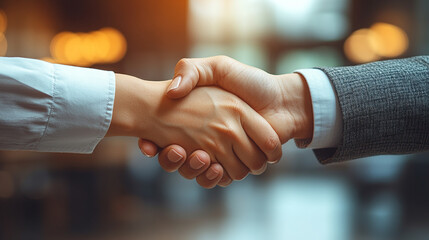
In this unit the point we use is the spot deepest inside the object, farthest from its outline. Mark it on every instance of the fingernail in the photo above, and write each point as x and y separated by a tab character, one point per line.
196	163
211	174
175	84
143	150
274	162
174	156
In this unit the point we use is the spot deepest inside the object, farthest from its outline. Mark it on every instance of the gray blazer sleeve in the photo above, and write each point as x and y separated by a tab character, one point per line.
385	108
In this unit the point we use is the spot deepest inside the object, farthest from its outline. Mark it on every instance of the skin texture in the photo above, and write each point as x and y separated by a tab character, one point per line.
283	100
228	131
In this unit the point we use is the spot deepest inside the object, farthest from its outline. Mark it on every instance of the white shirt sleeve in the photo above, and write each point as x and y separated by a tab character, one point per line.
328	122
53	108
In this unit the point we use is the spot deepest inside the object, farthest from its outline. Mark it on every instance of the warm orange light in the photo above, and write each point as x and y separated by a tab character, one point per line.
58	45
3	45
107	45
117	44
359	46
74	51
3	21
392	41
382	40
102	46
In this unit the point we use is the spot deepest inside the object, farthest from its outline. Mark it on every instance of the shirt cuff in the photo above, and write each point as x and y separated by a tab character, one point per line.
328	126
82	109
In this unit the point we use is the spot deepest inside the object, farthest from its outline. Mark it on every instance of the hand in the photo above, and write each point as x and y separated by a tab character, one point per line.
284	100
209	118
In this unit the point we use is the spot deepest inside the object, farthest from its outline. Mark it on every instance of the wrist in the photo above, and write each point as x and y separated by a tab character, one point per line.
297	102
131	102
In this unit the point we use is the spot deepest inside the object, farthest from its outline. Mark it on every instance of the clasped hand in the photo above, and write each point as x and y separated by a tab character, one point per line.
231	132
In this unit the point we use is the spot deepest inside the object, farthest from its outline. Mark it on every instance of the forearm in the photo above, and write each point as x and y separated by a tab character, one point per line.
384	108
53	108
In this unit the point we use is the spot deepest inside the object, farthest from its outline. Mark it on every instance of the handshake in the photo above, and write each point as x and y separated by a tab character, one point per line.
230	117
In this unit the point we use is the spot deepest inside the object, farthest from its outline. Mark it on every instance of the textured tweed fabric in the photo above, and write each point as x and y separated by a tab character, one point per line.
385	108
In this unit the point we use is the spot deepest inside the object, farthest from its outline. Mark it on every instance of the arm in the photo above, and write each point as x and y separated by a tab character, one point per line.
49	107
385	108
53	108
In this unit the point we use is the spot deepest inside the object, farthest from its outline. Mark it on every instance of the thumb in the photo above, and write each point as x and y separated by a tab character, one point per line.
190	73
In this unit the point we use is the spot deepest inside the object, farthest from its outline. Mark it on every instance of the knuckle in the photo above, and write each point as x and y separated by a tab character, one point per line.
226	130
221	65
230	133
235	106
182	63
221	58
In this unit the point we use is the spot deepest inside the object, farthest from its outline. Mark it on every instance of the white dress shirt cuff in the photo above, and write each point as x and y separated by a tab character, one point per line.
81	111
326	111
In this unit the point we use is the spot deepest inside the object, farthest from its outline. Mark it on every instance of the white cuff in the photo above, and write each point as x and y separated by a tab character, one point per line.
326	111
81	111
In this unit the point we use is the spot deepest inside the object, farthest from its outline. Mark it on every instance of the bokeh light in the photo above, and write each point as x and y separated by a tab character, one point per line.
58	46
102	47
117	45
3	45
382	40
3	21
107	45
3	26
392	41
359	46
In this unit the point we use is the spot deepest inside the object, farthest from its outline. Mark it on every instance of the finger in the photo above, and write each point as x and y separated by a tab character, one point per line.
261	132
283	157
249	153
225	180
233	166
197	163
211	177
147	147
186	77
196	72
172	158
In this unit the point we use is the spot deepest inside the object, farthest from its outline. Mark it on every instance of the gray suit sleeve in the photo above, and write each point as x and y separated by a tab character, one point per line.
385	108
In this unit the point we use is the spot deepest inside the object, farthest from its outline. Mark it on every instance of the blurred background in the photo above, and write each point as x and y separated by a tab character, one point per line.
117	193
